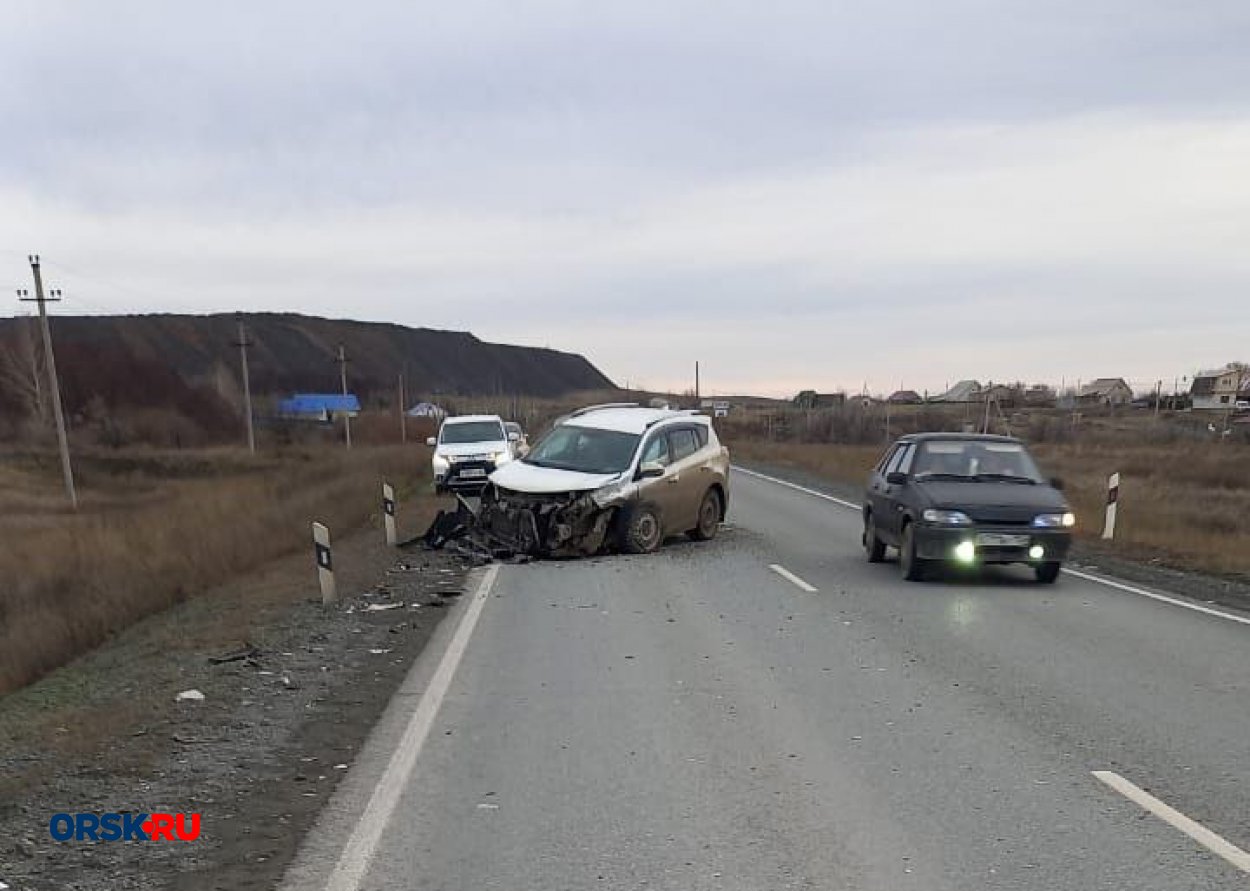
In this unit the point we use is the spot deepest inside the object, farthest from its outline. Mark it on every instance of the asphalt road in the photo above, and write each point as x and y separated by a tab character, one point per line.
695	720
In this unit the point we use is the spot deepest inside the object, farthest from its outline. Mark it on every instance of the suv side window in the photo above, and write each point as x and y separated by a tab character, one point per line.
885	459
683	442
656	450
700	433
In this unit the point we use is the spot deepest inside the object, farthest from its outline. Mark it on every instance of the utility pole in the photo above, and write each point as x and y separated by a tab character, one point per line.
403	414
696	383
1158	397
347	418
67	470
243	344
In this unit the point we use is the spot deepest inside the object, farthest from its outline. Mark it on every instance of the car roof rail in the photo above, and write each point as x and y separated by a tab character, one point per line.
601	406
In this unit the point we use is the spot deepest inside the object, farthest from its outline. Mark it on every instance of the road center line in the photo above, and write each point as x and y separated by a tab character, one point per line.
791	577
358	852
1097	579
1174	818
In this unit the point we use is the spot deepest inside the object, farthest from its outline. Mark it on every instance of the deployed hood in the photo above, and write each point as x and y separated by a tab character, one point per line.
472	448
521	477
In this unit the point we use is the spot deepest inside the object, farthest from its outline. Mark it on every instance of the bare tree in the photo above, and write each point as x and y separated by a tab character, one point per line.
21	372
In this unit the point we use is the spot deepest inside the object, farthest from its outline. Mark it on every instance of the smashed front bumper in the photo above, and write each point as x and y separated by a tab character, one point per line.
507	524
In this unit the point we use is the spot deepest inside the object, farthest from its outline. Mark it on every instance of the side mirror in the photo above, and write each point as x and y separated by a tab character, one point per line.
431	440
1056	483
650	470
514	437
896	478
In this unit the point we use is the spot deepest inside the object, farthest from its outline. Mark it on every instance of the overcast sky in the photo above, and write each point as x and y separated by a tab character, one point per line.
799	194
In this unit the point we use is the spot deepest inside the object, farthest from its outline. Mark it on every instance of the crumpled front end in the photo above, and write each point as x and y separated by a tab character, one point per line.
508	523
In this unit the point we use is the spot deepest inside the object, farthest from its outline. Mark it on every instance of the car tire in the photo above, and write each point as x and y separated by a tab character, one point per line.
709	517
1047	573
641	530
912	567
873	545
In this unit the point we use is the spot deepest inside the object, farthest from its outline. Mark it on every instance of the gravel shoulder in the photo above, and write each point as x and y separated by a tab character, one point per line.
258	757
1094	556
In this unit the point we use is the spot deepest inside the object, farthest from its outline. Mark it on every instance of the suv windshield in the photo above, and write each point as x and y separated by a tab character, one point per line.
472	431
974	460
584	449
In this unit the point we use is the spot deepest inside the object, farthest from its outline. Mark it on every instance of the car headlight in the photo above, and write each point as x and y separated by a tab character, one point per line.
440	461
1055	521
947	517
613	491
501	457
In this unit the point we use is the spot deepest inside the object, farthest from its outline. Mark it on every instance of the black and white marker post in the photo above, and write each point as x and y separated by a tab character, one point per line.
388	513
1113	498
325	563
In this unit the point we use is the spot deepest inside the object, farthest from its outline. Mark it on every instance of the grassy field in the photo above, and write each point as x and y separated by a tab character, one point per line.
1186	505
156	528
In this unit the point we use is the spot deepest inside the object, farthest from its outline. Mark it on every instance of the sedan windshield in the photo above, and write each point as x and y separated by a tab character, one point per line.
473	431
975	461
584	449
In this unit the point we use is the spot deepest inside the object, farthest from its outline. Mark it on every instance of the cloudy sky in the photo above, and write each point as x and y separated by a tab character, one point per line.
799	194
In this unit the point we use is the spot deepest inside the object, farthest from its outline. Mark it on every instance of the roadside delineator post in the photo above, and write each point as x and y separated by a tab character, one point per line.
1113	498
325	563
388	513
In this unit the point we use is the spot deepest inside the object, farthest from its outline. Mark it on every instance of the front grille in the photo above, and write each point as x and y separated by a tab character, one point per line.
1002	516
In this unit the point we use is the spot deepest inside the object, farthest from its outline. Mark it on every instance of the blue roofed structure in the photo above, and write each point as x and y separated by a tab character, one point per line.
320	406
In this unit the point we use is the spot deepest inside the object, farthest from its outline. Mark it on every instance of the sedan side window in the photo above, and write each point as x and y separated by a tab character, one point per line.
683	443
904	465
895	460
656	451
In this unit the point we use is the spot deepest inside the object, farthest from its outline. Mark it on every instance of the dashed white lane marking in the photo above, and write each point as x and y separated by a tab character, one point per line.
1097	579
1202	835
354	862
791	577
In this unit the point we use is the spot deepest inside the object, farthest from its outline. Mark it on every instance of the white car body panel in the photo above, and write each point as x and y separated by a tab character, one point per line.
521	477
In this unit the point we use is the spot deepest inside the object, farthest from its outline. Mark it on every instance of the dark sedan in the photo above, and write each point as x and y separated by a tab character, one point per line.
968	500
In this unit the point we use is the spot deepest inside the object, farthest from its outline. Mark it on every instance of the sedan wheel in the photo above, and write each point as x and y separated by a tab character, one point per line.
911	566
873	546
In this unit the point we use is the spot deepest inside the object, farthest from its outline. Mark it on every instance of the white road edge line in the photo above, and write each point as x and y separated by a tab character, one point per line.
1110	583
1163	598
803	489
791	577
354	861
1174	818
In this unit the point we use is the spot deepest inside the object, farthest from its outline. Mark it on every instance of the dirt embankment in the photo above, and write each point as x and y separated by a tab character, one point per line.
258	757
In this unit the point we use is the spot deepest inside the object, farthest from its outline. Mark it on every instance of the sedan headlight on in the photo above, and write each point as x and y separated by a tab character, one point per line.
947	517
1055	521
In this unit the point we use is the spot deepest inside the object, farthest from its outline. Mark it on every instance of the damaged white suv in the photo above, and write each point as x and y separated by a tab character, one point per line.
610	476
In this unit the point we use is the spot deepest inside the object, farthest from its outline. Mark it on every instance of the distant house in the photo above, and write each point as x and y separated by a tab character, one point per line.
1106	391
319	406
905	397
810	399
964	391
1216	389
426	410
1039	396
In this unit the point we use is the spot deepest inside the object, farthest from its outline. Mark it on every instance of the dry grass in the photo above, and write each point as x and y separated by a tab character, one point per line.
1180	505
160	529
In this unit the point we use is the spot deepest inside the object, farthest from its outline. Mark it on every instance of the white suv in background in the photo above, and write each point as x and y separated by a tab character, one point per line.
467	450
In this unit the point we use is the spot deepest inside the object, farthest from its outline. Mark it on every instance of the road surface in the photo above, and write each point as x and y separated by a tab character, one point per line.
698	719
